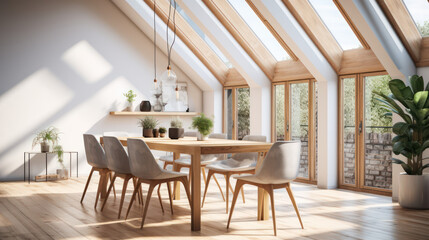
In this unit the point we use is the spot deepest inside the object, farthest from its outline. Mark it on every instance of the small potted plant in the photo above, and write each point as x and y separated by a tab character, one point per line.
203	124
176	131
412	138
130	95
45	138
162	131
155	132
63	172
148	124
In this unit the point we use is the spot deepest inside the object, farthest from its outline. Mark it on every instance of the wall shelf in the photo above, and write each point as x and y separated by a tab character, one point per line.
160	114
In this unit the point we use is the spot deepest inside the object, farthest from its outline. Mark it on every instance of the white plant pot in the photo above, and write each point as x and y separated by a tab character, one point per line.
414	191
200	137
130	107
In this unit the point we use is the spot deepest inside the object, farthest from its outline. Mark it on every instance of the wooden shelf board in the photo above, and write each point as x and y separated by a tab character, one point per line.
153	113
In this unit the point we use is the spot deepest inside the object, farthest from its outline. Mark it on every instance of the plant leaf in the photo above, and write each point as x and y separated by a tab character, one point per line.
417	83
398	147
405	166
420	99
400	128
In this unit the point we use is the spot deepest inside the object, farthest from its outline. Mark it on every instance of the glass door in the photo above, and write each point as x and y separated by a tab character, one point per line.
236	112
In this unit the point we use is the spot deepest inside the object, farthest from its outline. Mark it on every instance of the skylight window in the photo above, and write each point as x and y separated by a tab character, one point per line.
419	11
336	24
204	36
259	28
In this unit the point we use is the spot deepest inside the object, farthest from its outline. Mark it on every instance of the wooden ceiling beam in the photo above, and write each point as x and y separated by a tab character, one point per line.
239	29
404	26
310	21
194	42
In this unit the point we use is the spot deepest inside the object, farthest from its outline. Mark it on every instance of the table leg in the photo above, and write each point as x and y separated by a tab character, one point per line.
24	167
77	164
29	167
176	188
46	170
263	210
196	190
104	178
70	165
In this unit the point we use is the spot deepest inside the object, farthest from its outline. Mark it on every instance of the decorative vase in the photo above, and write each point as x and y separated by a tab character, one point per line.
130	107
201	137
162	135
145	106
155	132
414	191
63	173
44	147
157	106
176	133
147	132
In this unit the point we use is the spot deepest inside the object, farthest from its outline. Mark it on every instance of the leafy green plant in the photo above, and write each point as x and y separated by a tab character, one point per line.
130	95
50	134
162	130
203	124
176	123
413	133
148	122
58	149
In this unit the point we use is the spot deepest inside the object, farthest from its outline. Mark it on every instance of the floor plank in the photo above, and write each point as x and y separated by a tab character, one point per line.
51	210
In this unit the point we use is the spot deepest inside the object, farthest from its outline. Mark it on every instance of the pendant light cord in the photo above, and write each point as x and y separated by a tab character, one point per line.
154	39
169	48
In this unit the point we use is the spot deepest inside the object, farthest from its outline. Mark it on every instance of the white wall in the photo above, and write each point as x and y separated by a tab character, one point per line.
66	64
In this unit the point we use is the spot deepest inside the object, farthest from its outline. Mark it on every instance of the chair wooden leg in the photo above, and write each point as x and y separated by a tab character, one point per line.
87	183
292	199
112	183
141	193
230	188
99	190
160	199
203	171
185	183
242	195
124	190
136	190
170	197
134	185
149	195
209	176
273	209
175	185
111	177
238	185
218	185
227	176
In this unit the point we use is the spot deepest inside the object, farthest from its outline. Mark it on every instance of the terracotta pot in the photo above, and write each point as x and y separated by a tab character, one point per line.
414	191
162	135
155	132
147	132
176	133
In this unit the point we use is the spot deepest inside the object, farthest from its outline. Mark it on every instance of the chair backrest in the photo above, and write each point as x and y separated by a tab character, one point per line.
252	156
94	151
142	162
117	158
116	134
218	135
281	163
190	134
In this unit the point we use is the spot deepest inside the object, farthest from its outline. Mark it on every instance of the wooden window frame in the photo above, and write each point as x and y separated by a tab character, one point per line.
234	109
360	141
311	123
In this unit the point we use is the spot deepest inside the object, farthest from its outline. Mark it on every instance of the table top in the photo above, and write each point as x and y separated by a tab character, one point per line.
190	144
51	152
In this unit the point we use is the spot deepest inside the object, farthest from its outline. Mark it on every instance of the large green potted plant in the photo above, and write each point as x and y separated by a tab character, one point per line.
46	138
412	138
130	95
148	124
203	124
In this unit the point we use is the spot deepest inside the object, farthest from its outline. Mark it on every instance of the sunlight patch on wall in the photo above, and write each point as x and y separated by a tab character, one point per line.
29	104
87	62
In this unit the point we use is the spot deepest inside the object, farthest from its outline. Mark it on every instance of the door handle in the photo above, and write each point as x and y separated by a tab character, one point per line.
360	127
287	127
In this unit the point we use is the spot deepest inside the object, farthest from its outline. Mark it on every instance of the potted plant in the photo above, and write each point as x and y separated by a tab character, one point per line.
412	138
155	132
63	172
130	95
176	131
162	131
203	124
45	137
148	124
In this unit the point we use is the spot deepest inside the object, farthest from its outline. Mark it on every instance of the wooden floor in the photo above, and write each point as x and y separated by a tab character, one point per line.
52	211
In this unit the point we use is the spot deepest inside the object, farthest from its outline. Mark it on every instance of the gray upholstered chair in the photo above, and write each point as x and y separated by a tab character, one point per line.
95	157
238	164
117	161
205	160
278	170
168	159
145	168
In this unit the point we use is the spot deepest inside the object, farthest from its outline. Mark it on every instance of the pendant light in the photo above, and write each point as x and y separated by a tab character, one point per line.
155	82
169	77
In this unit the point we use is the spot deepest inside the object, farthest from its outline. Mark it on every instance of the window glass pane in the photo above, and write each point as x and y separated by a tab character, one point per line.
243	112
259	28
419	11
203	36
378	135
228	113
336	24
280	111
315	127
349	136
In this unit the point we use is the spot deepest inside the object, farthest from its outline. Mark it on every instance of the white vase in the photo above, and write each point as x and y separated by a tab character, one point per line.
414	191
63	173
201	137
130	107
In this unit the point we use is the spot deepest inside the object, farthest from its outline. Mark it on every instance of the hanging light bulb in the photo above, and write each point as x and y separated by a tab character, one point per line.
177	92
168	78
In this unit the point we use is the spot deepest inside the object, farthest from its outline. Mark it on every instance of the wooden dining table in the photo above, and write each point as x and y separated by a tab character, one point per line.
190	145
